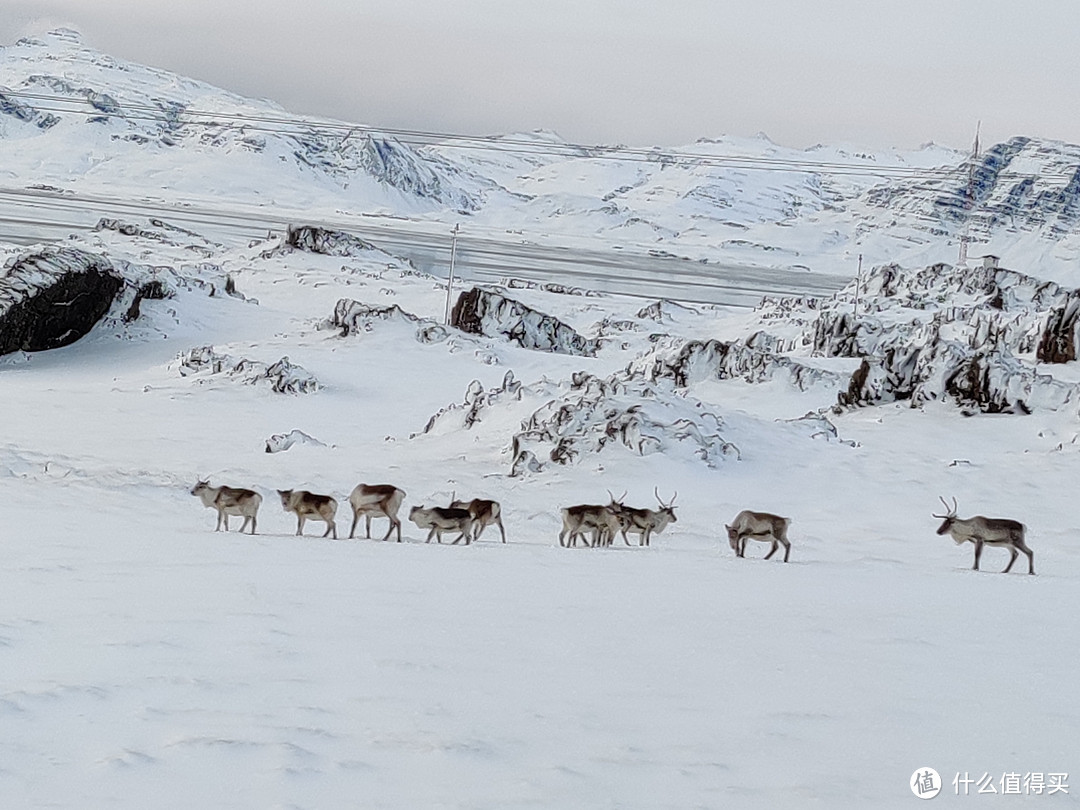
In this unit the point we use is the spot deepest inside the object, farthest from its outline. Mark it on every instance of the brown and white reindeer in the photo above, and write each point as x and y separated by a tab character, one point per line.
229	501
376	500
309	505
643	522
984	531
602	521
443	519
484	513
758	526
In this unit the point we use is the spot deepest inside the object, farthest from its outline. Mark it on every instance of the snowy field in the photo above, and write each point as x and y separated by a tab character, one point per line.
148	661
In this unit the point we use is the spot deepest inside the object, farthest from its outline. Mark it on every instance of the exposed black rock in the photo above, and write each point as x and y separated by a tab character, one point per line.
327	242
52	298
483	312
1058	341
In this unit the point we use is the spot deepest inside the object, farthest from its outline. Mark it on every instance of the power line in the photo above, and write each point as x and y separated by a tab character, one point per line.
293	125
930	180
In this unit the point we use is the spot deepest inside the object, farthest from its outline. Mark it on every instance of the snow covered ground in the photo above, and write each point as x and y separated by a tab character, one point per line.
147	661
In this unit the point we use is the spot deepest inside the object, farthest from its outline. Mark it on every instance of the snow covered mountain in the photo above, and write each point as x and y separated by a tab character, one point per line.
74	117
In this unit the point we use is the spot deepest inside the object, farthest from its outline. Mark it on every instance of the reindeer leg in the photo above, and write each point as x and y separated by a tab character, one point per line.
1014	554
253	518
398	524
299	525
355	520
502	531
978	553
367	526
787	549
772	551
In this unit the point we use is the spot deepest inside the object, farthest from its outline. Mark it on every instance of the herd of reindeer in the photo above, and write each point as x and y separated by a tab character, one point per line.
594	525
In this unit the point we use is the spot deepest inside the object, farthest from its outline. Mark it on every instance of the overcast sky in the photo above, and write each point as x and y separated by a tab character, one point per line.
871	72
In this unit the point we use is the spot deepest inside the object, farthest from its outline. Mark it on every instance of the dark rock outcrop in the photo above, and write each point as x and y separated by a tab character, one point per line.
482	312
52	298
1057	343
327	242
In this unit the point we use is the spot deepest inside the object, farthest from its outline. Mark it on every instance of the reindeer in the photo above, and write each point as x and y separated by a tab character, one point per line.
306	504
440	519
986	531
758	526
484	513
229	501
643	522
601	520
376	500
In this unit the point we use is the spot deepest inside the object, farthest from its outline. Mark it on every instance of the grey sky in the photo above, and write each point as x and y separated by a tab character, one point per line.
667	72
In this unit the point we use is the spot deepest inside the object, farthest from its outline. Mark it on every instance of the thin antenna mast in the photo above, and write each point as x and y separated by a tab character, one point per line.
964	238
450	278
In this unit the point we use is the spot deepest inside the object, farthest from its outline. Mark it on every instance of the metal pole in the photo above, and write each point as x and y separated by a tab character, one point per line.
970	207
858	283
450	279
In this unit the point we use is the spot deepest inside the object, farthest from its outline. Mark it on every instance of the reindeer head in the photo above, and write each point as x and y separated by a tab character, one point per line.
732	537
667	508
200	486
949	517
616	503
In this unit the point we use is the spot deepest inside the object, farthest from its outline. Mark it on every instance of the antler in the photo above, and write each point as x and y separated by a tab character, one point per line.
656	492
949	511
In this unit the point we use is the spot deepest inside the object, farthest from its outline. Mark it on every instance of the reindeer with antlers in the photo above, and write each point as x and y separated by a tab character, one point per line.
986	531
643	522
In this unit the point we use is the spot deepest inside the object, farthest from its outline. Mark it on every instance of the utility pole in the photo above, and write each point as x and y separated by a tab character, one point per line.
450	278
962	259
858	283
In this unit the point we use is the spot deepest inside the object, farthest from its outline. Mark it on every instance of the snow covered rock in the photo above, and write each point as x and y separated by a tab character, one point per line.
483	312
326	242
987	382
53	297
283	376
1058	342
280	442
19	109
355	317
691	361
591	414
465	415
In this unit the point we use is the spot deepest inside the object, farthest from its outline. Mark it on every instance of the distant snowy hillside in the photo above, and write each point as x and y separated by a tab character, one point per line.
72	116
76	119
